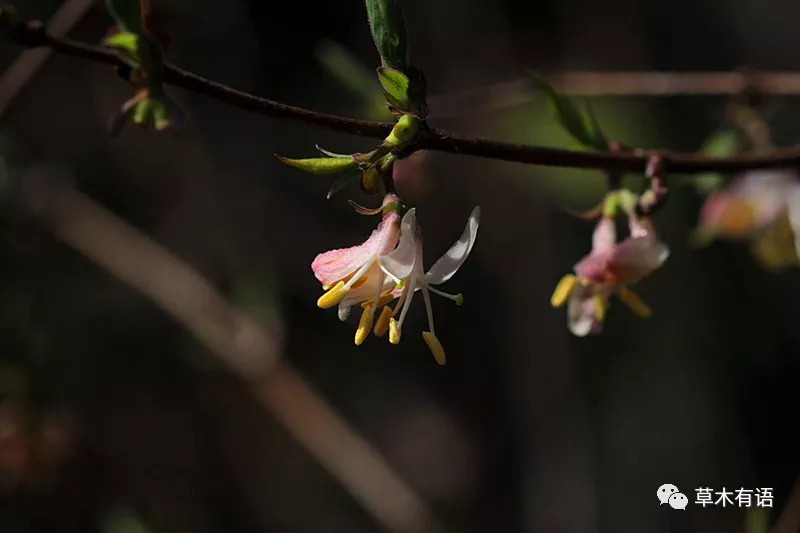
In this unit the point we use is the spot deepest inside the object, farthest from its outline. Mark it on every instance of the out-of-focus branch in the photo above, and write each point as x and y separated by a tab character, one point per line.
249	349
34	35
17	75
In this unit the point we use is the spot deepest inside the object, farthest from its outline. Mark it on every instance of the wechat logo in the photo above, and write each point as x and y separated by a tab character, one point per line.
669	494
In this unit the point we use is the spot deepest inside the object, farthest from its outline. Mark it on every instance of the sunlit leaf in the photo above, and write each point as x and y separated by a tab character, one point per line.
396	87
321	165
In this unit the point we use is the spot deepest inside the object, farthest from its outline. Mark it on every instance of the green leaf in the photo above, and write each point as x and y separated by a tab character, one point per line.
389	31
127	14
396	87
322	165
721	143
583	127
596	132
127	43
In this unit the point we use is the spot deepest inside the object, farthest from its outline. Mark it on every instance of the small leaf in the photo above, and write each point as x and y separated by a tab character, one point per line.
396	88
361	210
389	31
127	43
321	165
721	143
142	113
595	131
583	128
328	153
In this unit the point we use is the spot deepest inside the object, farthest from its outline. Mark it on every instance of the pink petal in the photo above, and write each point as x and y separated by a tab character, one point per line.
605	236
335	265
636	257
594	267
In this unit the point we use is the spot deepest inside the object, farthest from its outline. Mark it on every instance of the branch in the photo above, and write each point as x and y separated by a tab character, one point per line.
33	34
250	350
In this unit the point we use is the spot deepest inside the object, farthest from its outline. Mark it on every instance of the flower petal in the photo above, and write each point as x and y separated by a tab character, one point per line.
450	262
637	257
335	265
400	263
583	315
605	236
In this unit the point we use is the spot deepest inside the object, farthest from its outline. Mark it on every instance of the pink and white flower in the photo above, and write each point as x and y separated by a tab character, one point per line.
608	270
760	207
353	275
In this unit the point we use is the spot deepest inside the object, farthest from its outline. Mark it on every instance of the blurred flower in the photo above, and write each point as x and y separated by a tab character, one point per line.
761	207
353	275
607	270
405	266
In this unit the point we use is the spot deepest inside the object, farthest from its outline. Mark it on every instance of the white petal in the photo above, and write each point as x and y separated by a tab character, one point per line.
450	262
400	262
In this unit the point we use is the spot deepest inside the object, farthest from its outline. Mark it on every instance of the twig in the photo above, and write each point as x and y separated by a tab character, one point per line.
17	75
34	35
250	350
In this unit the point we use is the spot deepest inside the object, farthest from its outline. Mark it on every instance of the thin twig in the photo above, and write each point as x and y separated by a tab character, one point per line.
17	75
249	349
34	35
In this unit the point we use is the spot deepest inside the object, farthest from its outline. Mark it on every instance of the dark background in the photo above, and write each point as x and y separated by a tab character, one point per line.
115	419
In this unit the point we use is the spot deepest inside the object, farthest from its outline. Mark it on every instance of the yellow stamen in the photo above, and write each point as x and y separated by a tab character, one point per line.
334	296
600	308
563	290
382	325
385	298
435	347
634	302
365	324
394	331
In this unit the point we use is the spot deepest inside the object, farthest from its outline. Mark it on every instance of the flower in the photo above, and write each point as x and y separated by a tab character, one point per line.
608	270
405	266
761	207
352	276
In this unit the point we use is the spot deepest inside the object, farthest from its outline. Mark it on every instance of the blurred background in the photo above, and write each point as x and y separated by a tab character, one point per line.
164	367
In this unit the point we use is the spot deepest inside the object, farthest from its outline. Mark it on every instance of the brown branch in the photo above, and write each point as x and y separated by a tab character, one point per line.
35	35
250	349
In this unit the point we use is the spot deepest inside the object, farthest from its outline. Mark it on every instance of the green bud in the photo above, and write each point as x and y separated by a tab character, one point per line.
142	113
388	31
611	204
404	132
322	165
128	44
372	180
